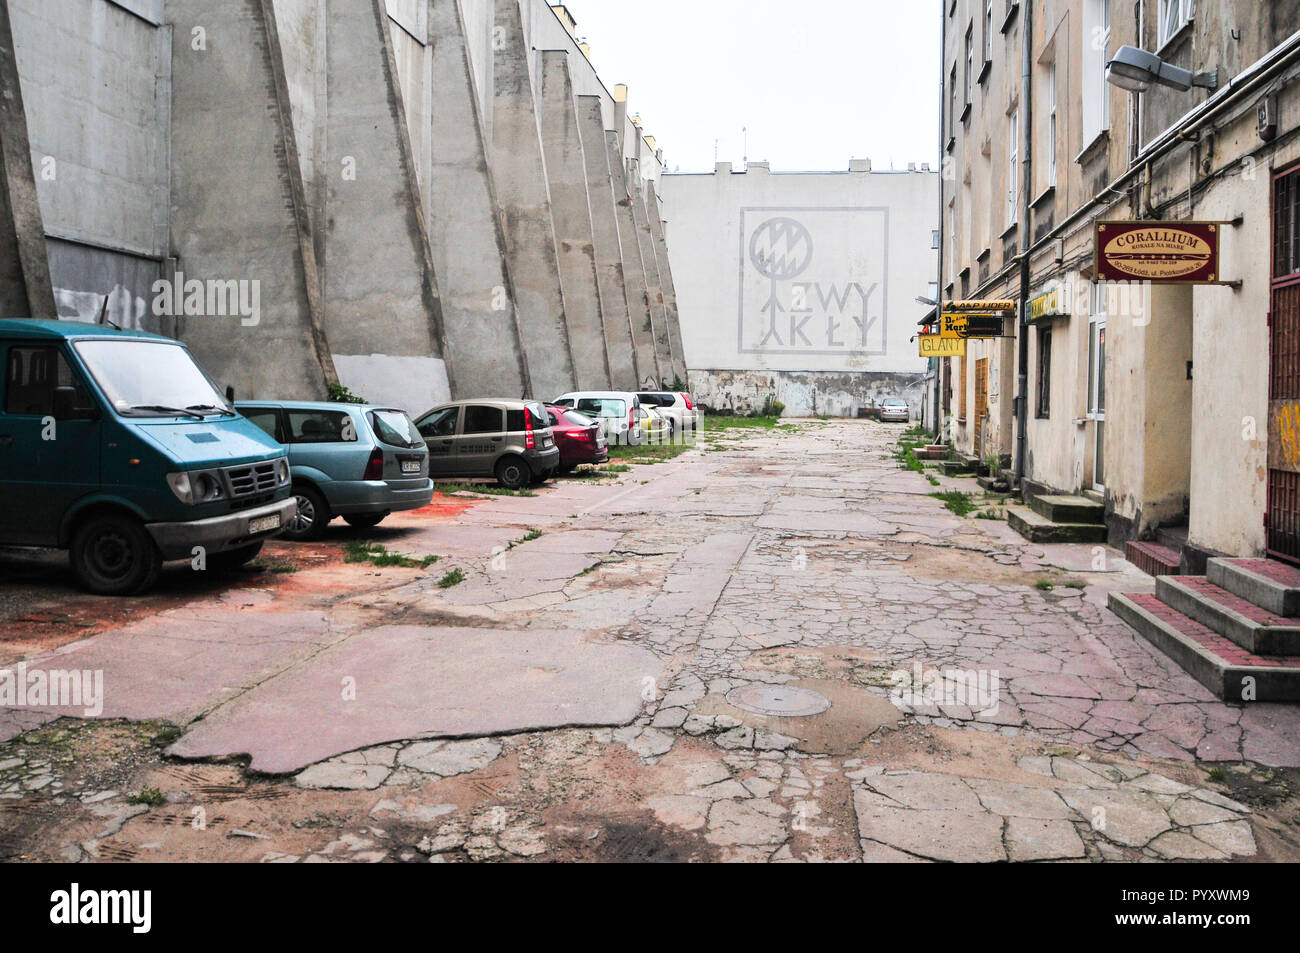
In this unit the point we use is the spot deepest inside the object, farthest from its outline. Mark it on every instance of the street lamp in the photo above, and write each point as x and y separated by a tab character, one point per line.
1136	70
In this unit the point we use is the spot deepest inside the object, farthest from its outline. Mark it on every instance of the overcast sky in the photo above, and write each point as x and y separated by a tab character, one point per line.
817	82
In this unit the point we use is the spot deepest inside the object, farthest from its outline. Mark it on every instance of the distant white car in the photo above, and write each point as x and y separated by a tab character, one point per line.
617	412
677	407
895	410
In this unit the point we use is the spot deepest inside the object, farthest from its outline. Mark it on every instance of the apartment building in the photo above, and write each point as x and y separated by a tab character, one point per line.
1170	397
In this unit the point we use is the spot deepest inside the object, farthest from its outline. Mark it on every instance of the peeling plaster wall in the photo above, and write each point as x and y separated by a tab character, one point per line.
805	394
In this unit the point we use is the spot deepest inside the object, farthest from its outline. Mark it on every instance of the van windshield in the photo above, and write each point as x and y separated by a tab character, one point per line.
151	378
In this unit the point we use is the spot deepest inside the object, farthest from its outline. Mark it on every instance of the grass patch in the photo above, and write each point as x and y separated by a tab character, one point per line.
645	454
1044	585
934	481
531	535
1218	774
166	736
360	551
956	501
275	564
449	488
715	422
151	796
453	578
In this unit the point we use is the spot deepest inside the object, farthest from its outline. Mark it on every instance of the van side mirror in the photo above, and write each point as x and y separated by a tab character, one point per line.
230	394
71	404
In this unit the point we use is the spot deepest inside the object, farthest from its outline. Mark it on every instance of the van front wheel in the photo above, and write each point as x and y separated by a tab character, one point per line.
114	555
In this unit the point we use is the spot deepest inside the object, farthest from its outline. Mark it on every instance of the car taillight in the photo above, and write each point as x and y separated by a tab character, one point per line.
687	398
375	466
530	442
583	435
631	418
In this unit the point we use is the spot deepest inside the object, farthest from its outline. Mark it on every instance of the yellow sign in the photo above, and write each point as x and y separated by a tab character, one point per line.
979	307
932	345
959	325
1047	303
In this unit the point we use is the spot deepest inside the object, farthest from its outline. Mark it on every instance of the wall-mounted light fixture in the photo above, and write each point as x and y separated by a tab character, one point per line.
1137	70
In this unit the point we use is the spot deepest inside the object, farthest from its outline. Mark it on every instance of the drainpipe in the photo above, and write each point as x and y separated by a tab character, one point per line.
1027	158
937	415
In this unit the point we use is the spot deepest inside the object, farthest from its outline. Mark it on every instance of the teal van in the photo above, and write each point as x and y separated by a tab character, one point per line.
116	446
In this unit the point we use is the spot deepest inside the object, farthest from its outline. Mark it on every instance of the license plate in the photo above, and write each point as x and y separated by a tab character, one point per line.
263	524
547	442
410	466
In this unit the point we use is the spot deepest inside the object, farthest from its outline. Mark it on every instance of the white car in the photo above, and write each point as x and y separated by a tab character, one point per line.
616	411
892	409
679	410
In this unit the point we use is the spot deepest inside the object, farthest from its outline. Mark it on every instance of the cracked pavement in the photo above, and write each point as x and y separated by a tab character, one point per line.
625	686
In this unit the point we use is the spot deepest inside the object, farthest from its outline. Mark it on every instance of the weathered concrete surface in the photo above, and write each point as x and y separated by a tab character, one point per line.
795	557
420	681
382	312
25	290
634	268
244	218
654	284
484	349
657	232
566	174
519	176
609	252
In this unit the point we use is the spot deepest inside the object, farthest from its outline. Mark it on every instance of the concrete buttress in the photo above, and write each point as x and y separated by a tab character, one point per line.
638	299
666	281
519	177
566	172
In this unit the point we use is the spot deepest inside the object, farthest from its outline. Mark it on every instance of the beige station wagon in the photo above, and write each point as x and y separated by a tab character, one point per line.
490	437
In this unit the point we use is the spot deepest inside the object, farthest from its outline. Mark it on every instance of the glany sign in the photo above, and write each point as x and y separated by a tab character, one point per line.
1158	252
932	345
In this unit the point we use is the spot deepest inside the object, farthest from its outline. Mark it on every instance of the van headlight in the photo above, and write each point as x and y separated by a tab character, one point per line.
282	471
197	486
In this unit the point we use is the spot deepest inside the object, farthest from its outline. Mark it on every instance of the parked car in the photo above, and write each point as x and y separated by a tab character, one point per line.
507	439
655	427
356	461
581	439
894	410
616	410
677	408
116	446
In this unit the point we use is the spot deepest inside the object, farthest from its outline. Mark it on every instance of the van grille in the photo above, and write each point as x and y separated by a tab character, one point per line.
251	480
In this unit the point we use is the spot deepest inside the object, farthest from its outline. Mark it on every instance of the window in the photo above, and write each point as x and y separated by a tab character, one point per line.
952	104
1013	167
482	420
988	31
1051	125
34	375
970	62
394	428
934	238
440	423
267	420
952	240
1044	373
320	426
603	407
1096	53
1286	224
1174	15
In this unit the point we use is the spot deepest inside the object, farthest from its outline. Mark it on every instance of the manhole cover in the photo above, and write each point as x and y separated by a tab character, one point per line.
784	701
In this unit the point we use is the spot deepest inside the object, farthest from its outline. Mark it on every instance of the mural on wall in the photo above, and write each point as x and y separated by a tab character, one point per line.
813	281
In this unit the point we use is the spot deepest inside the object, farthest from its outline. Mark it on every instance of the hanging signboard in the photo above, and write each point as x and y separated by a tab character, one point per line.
1158	252
1046	305
965	326
932	345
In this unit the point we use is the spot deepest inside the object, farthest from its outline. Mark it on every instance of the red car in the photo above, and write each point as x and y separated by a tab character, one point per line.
580	439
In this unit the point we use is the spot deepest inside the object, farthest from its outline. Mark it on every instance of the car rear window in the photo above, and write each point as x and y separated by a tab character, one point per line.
515	418
394	428
603	406
578	418
320	426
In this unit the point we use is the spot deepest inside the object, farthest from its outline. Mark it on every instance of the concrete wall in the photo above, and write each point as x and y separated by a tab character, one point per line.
802	273
243	217
383	316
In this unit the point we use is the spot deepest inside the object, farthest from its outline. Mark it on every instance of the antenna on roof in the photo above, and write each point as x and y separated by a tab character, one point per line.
103	314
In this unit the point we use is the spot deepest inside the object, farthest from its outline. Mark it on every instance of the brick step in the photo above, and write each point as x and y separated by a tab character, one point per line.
1038	529
932	453
1273	586
1153	559
1220	665
1256	630
1068	509
955	468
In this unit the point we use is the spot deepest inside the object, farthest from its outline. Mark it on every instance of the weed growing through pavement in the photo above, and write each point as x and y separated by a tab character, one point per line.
453	578
360	551
956	501
151	796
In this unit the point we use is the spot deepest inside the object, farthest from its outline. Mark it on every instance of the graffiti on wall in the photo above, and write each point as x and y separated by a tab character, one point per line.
813	281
